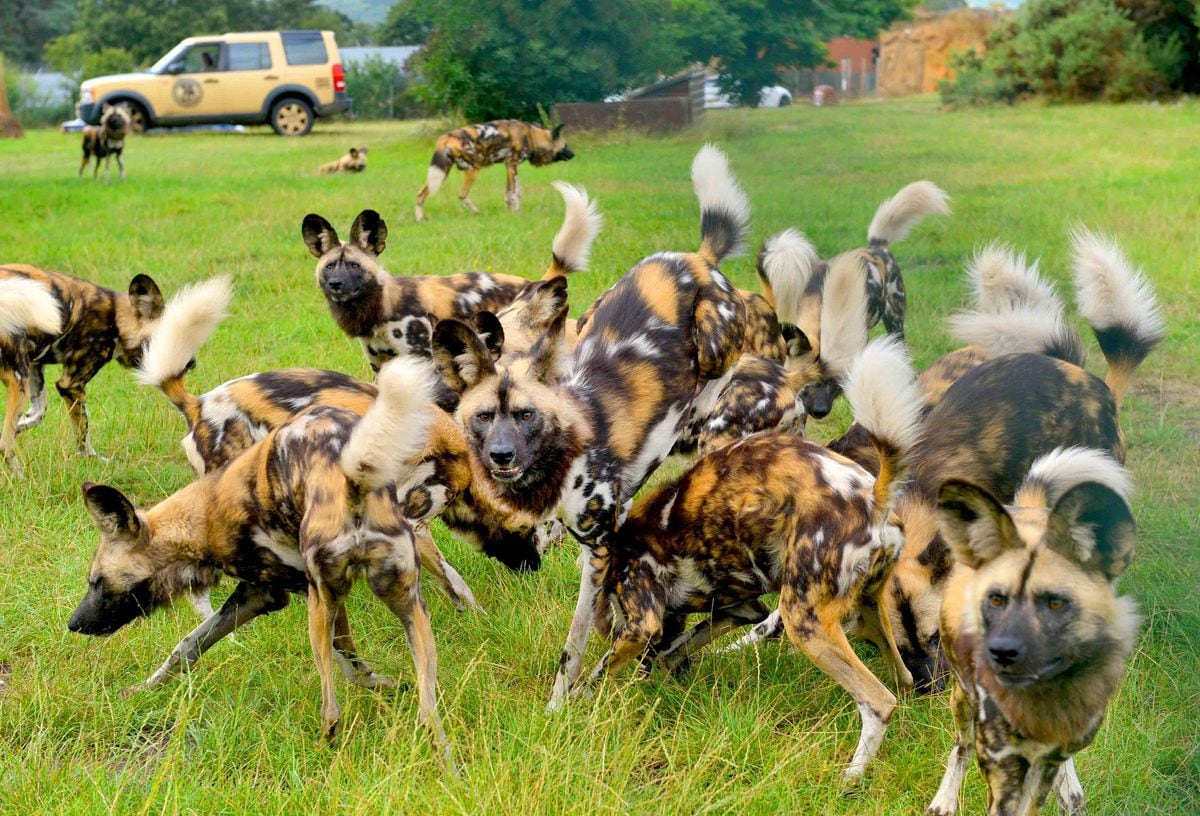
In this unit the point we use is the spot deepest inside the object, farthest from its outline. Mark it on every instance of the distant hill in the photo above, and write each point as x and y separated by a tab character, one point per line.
364	11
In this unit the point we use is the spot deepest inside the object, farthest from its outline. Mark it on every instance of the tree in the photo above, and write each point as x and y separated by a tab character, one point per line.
404	25
27	25
506	57
10	128
752	40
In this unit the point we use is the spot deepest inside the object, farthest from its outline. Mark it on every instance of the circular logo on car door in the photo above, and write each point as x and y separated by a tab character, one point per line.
187	92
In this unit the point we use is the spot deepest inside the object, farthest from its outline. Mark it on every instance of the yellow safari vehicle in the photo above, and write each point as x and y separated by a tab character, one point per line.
282	78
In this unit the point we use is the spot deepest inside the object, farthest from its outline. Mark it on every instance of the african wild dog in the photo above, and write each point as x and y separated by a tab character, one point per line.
995	420
308	509
233	416
106	140
658	342
775	513
796	284
95	324
395	315
991	413
354	161
474	147
1032	626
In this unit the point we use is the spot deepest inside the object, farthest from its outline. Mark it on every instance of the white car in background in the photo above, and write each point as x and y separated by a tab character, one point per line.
771	96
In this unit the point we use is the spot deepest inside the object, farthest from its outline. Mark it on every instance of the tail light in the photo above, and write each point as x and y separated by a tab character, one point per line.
339	78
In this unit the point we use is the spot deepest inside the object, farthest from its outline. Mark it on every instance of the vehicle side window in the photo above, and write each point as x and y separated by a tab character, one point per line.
251	56
304	48
201	58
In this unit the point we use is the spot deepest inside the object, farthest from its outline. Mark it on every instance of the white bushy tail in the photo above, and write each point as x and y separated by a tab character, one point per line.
1119	303
883	392
393	433
27	305
897	216
581	224
187	323
785	266
724	207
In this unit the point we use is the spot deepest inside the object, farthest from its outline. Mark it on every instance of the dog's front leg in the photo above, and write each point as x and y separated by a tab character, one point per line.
945	801
121	166
12	408
35	389
1068	791
595	565
245	603
76	399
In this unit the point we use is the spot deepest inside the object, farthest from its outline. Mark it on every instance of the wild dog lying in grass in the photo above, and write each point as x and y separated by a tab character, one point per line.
316	503
73	323
1032	625
775	513
657	343
797	286
395	315
474	147
355	161
106	140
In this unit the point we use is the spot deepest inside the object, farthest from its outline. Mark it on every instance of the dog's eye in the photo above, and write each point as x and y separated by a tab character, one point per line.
997	600
1056	604
484	416
526	416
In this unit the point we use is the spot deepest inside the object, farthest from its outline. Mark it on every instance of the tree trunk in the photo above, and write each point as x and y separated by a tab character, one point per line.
10	128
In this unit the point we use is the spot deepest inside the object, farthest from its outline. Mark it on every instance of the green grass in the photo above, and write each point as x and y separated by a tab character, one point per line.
738	734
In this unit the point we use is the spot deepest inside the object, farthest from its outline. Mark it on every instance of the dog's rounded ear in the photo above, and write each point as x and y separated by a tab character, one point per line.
557	131
111	511
460	356
975	524
546	299
488	327
1092	525
146	297
354	152
319	235
546	357
369	232
796	341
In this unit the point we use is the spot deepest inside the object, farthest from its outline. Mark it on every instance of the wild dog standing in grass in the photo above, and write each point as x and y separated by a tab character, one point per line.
799	294
763	394
1032	625
315	504
235	415
93	326
354	161
659	342
474	147
395	315
775	513
106	140
995	420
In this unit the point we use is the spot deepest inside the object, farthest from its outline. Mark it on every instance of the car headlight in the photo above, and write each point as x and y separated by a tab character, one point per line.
86	97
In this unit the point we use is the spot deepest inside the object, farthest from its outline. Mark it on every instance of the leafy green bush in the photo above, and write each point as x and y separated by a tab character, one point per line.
1067	50
33	107
381	91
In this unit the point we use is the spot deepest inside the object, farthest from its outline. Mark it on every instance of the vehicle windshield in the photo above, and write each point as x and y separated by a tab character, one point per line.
175	53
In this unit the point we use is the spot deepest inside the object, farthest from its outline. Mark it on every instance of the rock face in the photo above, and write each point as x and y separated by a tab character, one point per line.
915	54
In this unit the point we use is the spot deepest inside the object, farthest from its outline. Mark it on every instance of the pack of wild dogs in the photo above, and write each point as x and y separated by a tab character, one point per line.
972	523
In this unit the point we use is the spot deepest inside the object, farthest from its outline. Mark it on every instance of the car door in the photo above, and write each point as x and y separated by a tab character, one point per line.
196	87
249	76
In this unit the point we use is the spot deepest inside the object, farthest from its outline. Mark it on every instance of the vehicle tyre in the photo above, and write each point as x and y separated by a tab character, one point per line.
139	120
292	116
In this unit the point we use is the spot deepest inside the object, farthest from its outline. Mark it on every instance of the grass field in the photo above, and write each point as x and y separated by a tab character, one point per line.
749	733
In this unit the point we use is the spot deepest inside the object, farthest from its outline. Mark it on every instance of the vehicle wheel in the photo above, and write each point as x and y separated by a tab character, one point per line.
292	116
139	120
